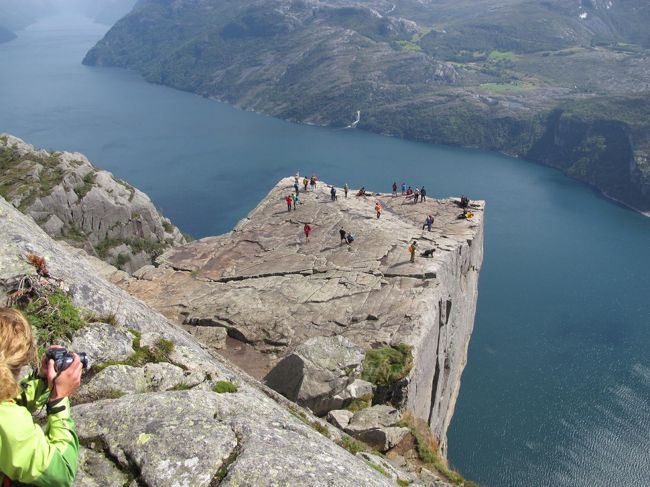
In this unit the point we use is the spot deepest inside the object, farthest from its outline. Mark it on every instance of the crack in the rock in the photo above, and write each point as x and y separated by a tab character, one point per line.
132	470
222	473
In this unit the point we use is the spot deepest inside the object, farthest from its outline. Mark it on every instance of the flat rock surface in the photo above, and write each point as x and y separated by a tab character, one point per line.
270	286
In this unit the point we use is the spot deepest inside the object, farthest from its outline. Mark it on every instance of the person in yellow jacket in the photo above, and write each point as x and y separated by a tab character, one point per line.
378	209
29	455
412	249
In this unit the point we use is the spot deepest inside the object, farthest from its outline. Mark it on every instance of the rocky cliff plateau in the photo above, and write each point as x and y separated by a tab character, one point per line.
87	207
265	284
158	409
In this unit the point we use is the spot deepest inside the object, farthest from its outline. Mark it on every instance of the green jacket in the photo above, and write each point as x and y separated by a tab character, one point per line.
27	453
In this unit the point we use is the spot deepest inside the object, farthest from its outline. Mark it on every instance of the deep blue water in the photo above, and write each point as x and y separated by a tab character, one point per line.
557	388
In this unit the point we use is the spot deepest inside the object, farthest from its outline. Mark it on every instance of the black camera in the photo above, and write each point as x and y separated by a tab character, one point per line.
63	359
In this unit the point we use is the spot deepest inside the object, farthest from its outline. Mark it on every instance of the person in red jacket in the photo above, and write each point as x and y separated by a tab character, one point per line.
307	230
289	201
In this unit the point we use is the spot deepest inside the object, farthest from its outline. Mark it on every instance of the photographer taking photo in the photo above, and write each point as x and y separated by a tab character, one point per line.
28	455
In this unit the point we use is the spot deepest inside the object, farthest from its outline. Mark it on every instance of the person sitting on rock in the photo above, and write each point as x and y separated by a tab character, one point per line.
349	238
362	192
343	234
27	454
428	253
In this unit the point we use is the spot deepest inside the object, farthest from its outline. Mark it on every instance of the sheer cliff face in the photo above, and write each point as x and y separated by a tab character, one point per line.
269	286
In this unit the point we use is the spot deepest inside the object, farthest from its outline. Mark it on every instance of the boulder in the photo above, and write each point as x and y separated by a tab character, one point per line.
340	418
212	336
317	372
377	461
377	426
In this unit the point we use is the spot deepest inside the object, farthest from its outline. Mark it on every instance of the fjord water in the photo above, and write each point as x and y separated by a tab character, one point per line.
557	388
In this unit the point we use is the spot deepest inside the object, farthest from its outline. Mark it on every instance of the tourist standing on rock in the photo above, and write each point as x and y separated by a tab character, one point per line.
296	178
312	183
378	209
28	455
428	222
423	195
289	201
412	249
294	199
342	233
346	189
333	193
394	188
416	195
403	188
296	188
305	182
307	230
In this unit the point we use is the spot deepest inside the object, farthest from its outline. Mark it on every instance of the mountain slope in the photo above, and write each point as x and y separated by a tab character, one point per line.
490	74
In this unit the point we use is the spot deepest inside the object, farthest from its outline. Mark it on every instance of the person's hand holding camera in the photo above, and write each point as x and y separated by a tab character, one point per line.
66	382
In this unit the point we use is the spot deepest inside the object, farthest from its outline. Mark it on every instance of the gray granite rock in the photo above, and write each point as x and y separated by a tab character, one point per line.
317	372
339	418
86	206
377	426
95	470
113	381
103	342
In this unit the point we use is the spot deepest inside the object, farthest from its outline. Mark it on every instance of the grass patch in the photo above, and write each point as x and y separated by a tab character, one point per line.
121	260
353	446
402	482
182	386
387	365
316	425
225	387
136	244
360	403
408	46
168	227
86	186
376	467
501	56
53	316
159	352
108	318
427	449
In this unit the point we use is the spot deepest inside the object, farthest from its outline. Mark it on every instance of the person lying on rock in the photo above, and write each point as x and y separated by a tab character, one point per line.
428	253
28	455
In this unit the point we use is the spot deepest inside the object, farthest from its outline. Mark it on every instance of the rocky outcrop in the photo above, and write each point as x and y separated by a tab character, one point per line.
269	286
317	374
89	208
197	435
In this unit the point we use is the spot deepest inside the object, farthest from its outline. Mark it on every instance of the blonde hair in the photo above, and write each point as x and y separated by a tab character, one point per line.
17	349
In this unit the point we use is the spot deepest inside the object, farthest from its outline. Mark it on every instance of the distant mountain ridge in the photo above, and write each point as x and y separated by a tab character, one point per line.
543	80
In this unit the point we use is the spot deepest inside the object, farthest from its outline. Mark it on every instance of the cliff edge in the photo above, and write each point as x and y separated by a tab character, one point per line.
268	286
